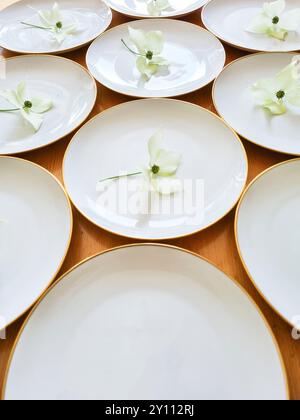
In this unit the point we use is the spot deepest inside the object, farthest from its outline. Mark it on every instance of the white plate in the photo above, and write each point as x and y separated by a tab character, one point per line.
138	8
117	140
68	85
234	101
196	58
229	20
35	233
92	17
146	322
267	232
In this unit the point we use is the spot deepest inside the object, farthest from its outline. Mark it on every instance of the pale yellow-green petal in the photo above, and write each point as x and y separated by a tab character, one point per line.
145	68
276	108
35	120
154	146
155	42
39	106
20	92
138	37
274	8
168	162
11	97
259	25
265	90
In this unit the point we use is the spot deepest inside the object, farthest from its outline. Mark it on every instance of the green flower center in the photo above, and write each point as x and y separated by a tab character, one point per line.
27	104
275	20
59	25
155	169
149	55
280	94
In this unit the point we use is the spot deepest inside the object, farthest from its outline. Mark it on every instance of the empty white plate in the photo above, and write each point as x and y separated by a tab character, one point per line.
139	8
196	57
146	322
68	85
35	233
91	17
235	103
213	168
229	21
268	235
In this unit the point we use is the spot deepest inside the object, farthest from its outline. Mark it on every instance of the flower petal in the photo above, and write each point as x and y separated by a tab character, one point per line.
275	8
155	42
138	37
20	92
293	96
145	67
276	108
155	7
167	186
265	90
259	25
39	106
154	146
11	97
35	120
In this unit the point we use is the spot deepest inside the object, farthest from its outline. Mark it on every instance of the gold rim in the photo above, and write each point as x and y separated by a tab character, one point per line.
70	233
238	243
144	16
240	47
131	95
237	284
81	121
248	57
58	51
165	238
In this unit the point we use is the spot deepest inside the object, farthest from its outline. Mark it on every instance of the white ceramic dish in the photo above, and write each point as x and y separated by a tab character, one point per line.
268	237
68	85
146	322
139	8
196	57
35	233
116	141
229	21
92	17
235	103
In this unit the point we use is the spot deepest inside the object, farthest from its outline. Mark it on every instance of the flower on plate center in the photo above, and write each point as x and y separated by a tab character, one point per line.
280	94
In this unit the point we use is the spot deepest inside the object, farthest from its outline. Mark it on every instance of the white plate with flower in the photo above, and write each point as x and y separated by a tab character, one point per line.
267	234
156	58
49	27
155	8
42	99
155	169
35	233
255	25
259	97
145	322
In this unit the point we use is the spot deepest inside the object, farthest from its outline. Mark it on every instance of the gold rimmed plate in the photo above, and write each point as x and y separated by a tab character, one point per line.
145	322
35	233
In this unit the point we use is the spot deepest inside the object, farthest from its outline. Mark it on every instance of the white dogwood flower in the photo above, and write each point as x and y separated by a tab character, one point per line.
149	46
156	7
31	110
274	21
274	94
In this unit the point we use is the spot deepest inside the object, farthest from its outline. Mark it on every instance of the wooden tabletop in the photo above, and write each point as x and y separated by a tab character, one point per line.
217	243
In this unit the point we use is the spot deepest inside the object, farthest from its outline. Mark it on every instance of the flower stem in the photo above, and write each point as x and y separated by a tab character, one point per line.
129	49
10	110
36	26
120	176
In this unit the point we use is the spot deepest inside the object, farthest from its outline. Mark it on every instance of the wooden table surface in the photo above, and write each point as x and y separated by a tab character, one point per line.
217	243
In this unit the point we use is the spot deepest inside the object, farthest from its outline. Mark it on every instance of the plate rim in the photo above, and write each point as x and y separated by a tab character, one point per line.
239	47
168	237
82	121
131	95
71	219
141	245
236	235
58	52
214	88
144	16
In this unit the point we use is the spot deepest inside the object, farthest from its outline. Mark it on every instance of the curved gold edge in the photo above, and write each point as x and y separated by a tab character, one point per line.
82	121
247	57
144	16
237	284
131	95
67	50
255	180
71	219
162	100
239	47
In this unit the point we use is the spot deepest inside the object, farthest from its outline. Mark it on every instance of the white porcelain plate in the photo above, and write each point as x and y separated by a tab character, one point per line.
68	85
146	322
268	237
35	232
229	21
139	8
196	57
91	18
235	103
213	169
